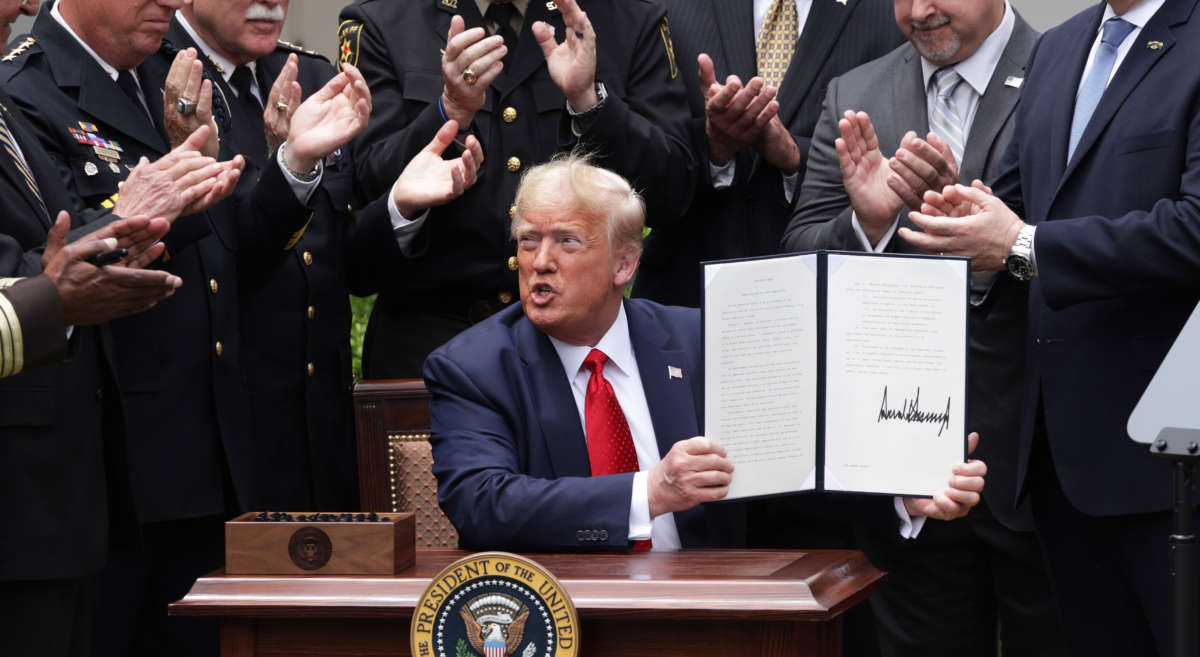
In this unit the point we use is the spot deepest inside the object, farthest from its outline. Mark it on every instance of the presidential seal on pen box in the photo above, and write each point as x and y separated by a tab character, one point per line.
279	543
494	604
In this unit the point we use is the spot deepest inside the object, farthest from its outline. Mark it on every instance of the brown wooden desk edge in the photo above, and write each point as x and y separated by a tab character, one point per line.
815	585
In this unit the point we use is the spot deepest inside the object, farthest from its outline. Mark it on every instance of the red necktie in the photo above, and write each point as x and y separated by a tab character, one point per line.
610	444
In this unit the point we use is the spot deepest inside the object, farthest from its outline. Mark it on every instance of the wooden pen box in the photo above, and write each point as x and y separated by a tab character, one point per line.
319	544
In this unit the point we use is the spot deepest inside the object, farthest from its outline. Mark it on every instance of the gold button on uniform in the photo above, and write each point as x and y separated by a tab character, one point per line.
312	312
307	257
514	164
349	207
512	263
310	369
510	114
212	285
505	297
512	212
220	348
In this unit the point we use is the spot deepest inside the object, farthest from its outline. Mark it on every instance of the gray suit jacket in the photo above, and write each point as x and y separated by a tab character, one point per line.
891	90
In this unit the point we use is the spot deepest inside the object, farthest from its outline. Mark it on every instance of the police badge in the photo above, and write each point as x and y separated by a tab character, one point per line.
494	604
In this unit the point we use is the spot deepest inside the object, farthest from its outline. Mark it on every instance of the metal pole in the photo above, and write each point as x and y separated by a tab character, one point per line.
1184	617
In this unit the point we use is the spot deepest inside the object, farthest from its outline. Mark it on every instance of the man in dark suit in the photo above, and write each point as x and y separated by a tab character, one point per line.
293	287
611	86
754	105
92	91
51	417
1097	215
570	422
989	563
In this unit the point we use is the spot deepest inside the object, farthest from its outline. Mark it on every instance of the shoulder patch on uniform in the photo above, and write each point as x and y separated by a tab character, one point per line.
21	49
296	48
664	30
349	39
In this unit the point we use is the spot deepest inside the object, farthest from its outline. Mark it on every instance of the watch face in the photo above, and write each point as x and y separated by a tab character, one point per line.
1018	267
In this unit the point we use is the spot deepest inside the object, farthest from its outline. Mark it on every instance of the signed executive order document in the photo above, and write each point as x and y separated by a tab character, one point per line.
837	371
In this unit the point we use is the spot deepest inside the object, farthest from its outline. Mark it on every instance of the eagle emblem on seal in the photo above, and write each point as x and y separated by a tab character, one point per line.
495	624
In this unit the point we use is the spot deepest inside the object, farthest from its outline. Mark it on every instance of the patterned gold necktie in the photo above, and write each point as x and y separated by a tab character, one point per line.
777	40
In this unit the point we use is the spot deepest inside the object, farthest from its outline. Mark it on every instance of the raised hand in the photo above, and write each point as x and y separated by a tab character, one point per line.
186	81
428	180
572	63
471	62
90	294
866	175
329	119
961	493
921	165
286	91
181	182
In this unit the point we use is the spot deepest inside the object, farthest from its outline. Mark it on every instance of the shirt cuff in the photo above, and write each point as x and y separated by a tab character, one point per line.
303	189
403	229
789	185
862	235
639	507
910	527
722	175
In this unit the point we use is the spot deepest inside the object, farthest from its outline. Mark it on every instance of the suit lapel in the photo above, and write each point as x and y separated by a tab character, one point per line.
99	95
1069	75
826	19
998	102
735	24
672	405
556	410
1136	65
33	154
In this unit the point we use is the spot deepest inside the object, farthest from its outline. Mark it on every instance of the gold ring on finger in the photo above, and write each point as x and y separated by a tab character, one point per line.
281	106
469	76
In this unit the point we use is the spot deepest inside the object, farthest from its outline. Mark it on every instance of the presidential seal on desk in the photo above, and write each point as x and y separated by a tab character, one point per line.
494	604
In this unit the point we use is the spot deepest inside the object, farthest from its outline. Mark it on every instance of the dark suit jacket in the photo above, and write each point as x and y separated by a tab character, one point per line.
891	90
1117	248
509	451
464	246
53	485
748	218
187	420
294	272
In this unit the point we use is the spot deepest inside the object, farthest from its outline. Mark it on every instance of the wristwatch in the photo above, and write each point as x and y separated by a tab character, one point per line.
1020	262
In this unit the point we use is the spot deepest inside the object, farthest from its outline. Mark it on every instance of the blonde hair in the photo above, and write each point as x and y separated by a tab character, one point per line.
570	182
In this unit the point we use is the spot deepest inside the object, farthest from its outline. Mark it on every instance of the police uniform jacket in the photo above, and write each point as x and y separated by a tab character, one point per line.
53	488
464	246
295	314
177	366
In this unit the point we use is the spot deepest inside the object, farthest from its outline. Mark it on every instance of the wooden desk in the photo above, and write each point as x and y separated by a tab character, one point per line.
697	602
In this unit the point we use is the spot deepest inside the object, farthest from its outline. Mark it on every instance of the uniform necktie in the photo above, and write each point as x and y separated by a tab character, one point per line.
10	146
1092	89
609	441
250	137
501	14
777	40
130	87
946	118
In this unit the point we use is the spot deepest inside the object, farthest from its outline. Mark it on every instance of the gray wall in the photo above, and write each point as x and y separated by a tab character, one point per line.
1045	14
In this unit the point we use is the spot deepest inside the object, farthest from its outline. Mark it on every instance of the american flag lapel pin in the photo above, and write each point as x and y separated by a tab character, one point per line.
674	372
1014	82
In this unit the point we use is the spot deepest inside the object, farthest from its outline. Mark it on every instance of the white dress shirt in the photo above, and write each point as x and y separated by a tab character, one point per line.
976	72
722	175
621	371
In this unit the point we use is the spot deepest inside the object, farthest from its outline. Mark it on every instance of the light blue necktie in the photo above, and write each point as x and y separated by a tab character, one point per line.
1092	89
